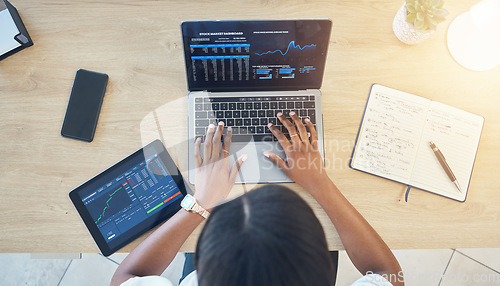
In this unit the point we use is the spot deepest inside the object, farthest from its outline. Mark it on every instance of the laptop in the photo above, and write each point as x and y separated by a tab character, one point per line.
243	73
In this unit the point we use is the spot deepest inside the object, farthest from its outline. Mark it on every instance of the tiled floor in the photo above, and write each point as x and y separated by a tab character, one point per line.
422	267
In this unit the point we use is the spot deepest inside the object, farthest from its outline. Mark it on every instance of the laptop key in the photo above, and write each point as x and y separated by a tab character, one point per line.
235	130
201	122
270	113
200	114
247	121
228	114
223	106
260	129
303	112
198	99
232	106
241	138
215	106
198	107
200	131
236	114
238	122
207	106
282	105
243	130
230	122
219	114
312	115
261	113
265	105
244	113
253	113
273	105
251	129
309	104
248	106
240	105
255	138
255	121
263	121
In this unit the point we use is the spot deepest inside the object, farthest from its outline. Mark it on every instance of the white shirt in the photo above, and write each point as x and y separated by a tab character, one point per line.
191	280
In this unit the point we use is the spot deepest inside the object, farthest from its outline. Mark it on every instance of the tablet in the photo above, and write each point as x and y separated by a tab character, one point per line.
130	198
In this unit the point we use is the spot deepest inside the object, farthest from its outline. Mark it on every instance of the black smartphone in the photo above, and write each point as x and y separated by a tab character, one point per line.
84	105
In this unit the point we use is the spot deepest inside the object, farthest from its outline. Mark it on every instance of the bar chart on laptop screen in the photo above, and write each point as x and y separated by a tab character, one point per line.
220	62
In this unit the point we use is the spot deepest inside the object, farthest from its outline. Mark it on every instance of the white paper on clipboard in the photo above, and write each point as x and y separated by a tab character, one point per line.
8	30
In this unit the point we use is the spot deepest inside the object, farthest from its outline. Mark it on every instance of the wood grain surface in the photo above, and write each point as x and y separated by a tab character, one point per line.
138	44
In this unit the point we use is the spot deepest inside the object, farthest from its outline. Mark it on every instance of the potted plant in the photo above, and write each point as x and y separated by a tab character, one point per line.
416	20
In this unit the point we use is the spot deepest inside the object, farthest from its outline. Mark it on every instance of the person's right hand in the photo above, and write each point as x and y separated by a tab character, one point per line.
303	164
214	179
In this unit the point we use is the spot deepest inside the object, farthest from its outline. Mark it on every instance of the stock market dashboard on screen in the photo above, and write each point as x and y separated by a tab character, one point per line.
139	192
255	55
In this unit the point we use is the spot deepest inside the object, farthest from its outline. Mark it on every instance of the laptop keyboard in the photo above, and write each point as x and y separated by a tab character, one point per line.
249	116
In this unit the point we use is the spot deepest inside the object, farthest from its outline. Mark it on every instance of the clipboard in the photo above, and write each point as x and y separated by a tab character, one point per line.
14	36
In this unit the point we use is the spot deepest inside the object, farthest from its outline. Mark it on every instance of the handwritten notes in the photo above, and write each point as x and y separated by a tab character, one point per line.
393	141
389	135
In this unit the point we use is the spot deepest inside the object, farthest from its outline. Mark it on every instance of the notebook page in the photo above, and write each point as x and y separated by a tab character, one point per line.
456	133
390	133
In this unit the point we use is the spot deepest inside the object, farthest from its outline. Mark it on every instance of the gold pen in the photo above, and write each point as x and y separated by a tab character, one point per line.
445	166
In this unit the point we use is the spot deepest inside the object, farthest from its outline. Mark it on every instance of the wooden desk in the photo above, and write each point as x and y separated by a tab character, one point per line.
138	43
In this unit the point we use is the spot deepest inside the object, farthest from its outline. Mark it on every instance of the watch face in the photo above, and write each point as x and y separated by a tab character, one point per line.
187	202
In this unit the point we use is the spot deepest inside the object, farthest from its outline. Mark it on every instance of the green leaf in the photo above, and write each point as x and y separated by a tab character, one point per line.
419	24
430	24
411	18
420	16
410	8
440	13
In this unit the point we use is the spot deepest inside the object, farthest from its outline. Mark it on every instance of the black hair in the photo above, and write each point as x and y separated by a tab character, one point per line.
269	236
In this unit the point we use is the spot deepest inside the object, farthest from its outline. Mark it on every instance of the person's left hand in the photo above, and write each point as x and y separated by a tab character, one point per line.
214	180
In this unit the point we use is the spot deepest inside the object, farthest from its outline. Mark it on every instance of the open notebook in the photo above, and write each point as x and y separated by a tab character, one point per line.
393	141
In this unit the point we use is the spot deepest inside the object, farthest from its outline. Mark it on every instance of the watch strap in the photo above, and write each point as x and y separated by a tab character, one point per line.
200	210
196	208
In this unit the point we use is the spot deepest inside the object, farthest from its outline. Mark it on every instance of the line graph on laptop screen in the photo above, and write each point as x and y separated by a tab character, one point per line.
255	54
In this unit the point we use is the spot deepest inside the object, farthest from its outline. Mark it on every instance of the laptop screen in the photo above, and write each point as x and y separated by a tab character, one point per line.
255	54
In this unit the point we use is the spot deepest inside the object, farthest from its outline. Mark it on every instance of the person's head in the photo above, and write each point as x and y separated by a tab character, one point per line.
269	236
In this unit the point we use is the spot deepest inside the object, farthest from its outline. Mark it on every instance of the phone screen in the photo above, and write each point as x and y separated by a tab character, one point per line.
84	105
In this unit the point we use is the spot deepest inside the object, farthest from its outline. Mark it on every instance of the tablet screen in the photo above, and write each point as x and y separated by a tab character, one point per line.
130	198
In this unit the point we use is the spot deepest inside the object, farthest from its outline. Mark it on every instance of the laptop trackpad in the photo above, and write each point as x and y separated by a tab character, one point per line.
257	168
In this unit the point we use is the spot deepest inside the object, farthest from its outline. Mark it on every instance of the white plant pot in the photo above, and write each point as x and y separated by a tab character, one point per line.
406	32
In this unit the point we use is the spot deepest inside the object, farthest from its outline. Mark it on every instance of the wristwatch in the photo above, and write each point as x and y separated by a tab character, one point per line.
190	204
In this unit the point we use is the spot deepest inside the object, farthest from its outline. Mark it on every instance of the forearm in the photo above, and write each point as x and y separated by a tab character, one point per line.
155	253
365	247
